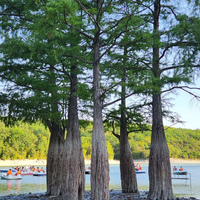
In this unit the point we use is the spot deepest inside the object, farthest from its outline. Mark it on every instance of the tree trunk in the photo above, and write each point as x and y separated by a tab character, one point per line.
73	164
127	168
159	163
99	161
56	144
54	160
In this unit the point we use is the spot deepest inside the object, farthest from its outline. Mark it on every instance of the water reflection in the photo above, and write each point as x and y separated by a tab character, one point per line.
27	184
9	184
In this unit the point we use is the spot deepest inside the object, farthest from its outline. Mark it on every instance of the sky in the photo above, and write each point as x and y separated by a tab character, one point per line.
187	109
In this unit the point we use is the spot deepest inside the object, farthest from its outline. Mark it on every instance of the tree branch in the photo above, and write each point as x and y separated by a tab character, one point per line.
138	130
89	14
113	132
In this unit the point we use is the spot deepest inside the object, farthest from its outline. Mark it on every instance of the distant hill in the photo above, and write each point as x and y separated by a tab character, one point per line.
25	141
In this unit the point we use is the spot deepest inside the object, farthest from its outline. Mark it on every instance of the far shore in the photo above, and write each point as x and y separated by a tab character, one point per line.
24	162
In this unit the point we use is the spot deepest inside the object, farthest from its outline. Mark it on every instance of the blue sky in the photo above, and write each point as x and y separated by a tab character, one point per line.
187	109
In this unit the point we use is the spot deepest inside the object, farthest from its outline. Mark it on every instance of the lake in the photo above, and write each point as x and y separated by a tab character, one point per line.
181	188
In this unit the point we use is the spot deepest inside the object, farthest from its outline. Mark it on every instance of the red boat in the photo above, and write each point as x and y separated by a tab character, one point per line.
26	173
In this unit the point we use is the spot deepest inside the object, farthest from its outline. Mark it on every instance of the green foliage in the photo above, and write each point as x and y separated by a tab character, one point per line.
24	141
30	141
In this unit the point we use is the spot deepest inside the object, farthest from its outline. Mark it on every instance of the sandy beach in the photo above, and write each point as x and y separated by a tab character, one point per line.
14	163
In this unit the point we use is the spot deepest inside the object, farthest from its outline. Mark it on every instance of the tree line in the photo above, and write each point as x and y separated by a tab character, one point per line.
30	141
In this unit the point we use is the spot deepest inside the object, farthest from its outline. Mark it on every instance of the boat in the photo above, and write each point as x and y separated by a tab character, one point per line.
6	170
11	177
3	170
27	173
140	171
88	170
180	172
35	173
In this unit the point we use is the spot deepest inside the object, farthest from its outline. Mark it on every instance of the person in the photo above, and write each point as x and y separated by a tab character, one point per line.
181	168
23	169
27	167
9	172
41	169
18	172
88	168
33	168
137	167
140	167
38	170
174	169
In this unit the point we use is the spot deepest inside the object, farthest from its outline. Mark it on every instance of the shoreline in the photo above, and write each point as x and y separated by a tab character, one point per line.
35	162
114	194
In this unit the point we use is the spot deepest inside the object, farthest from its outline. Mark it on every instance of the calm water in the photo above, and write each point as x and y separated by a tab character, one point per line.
36	184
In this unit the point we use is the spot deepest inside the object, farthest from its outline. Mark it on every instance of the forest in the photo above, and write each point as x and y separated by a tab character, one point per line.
30	141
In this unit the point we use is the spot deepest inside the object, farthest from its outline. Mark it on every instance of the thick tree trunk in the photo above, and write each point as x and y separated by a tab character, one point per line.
73	165
99	161
54	160
127	168
159	163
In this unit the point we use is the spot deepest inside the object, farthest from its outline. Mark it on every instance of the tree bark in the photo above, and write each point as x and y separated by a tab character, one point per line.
73	163
159	163
56	144
99	160
54	160
127	168
65	161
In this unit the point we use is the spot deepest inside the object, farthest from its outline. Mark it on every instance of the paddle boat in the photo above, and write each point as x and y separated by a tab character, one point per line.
140	171
27	173
40	173
88	170
11	177
180	172
6	170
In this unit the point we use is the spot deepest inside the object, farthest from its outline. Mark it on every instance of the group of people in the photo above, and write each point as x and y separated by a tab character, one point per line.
29	168
19	170
175	168
39	169
10	172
